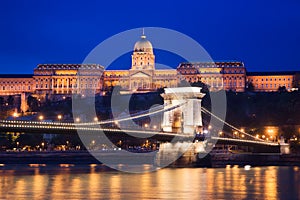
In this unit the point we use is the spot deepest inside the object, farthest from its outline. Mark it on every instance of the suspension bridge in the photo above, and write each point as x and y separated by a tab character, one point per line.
182	121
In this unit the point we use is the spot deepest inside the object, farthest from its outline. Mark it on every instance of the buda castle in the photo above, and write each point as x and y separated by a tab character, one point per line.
56	80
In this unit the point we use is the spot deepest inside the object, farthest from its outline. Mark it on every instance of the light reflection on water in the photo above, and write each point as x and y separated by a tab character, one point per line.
183	183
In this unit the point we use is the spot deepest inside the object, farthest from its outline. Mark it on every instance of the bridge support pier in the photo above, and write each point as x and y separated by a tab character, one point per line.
182	154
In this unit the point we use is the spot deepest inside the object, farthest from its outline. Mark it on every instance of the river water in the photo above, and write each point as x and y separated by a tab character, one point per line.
96	182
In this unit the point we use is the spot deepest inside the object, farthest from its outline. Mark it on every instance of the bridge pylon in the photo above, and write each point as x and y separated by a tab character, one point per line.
186	118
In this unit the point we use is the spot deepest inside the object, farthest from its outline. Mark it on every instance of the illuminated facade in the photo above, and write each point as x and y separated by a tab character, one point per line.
271	81
218	75
55	80
67	78
142	76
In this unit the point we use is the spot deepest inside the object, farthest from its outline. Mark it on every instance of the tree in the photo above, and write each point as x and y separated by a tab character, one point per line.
249	87
204	87
1	101
32	103
282	89
10	100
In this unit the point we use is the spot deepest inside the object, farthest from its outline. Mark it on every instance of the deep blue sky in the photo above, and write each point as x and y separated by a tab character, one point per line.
264	34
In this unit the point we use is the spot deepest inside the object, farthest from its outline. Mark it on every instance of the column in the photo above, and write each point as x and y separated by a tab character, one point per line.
68	83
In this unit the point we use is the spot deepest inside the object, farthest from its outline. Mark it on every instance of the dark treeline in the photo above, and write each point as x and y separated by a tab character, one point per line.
259	109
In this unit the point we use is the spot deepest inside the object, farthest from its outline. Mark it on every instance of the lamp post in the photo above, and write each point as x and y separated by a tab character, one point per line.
59	117
15	115
41	117
77	119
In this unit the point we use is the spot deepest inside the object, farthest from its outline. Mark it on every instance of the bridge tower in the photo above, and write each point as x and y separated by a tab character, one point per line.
185	119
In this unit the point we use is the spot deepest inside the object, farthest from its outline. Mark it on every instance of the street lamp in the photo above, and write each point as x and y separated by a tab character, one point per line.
15	115
43	144
59	117
17	145
95	119
77	119
41	117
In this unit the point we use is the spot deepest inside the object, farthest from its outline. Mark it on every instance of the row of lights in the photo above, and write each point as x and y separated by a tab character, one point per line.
248	141
242	135
82	128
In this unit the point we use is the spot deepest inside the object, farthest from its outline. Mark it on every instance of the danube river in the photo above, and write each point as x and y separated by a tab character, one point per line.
96	182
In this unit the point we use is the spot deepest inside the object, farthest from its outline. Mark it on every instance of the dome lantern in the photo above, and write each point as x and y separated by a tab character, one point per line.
143	45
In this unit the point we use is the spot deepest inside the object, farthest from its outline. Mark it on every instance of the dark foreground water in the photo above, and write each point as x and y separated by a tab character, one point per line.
94	182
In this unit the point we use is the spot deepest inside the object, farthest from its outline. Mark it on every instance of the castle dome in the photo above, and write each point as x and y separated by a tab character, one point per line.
143	45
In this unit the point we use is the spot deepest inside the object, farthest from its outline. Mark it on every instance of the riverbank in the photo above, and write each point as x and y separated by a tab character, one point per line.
258	159
71	158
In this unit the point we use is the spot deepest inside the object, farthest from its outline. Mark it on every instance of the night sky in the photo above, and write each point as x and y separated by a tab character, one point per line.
265	35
